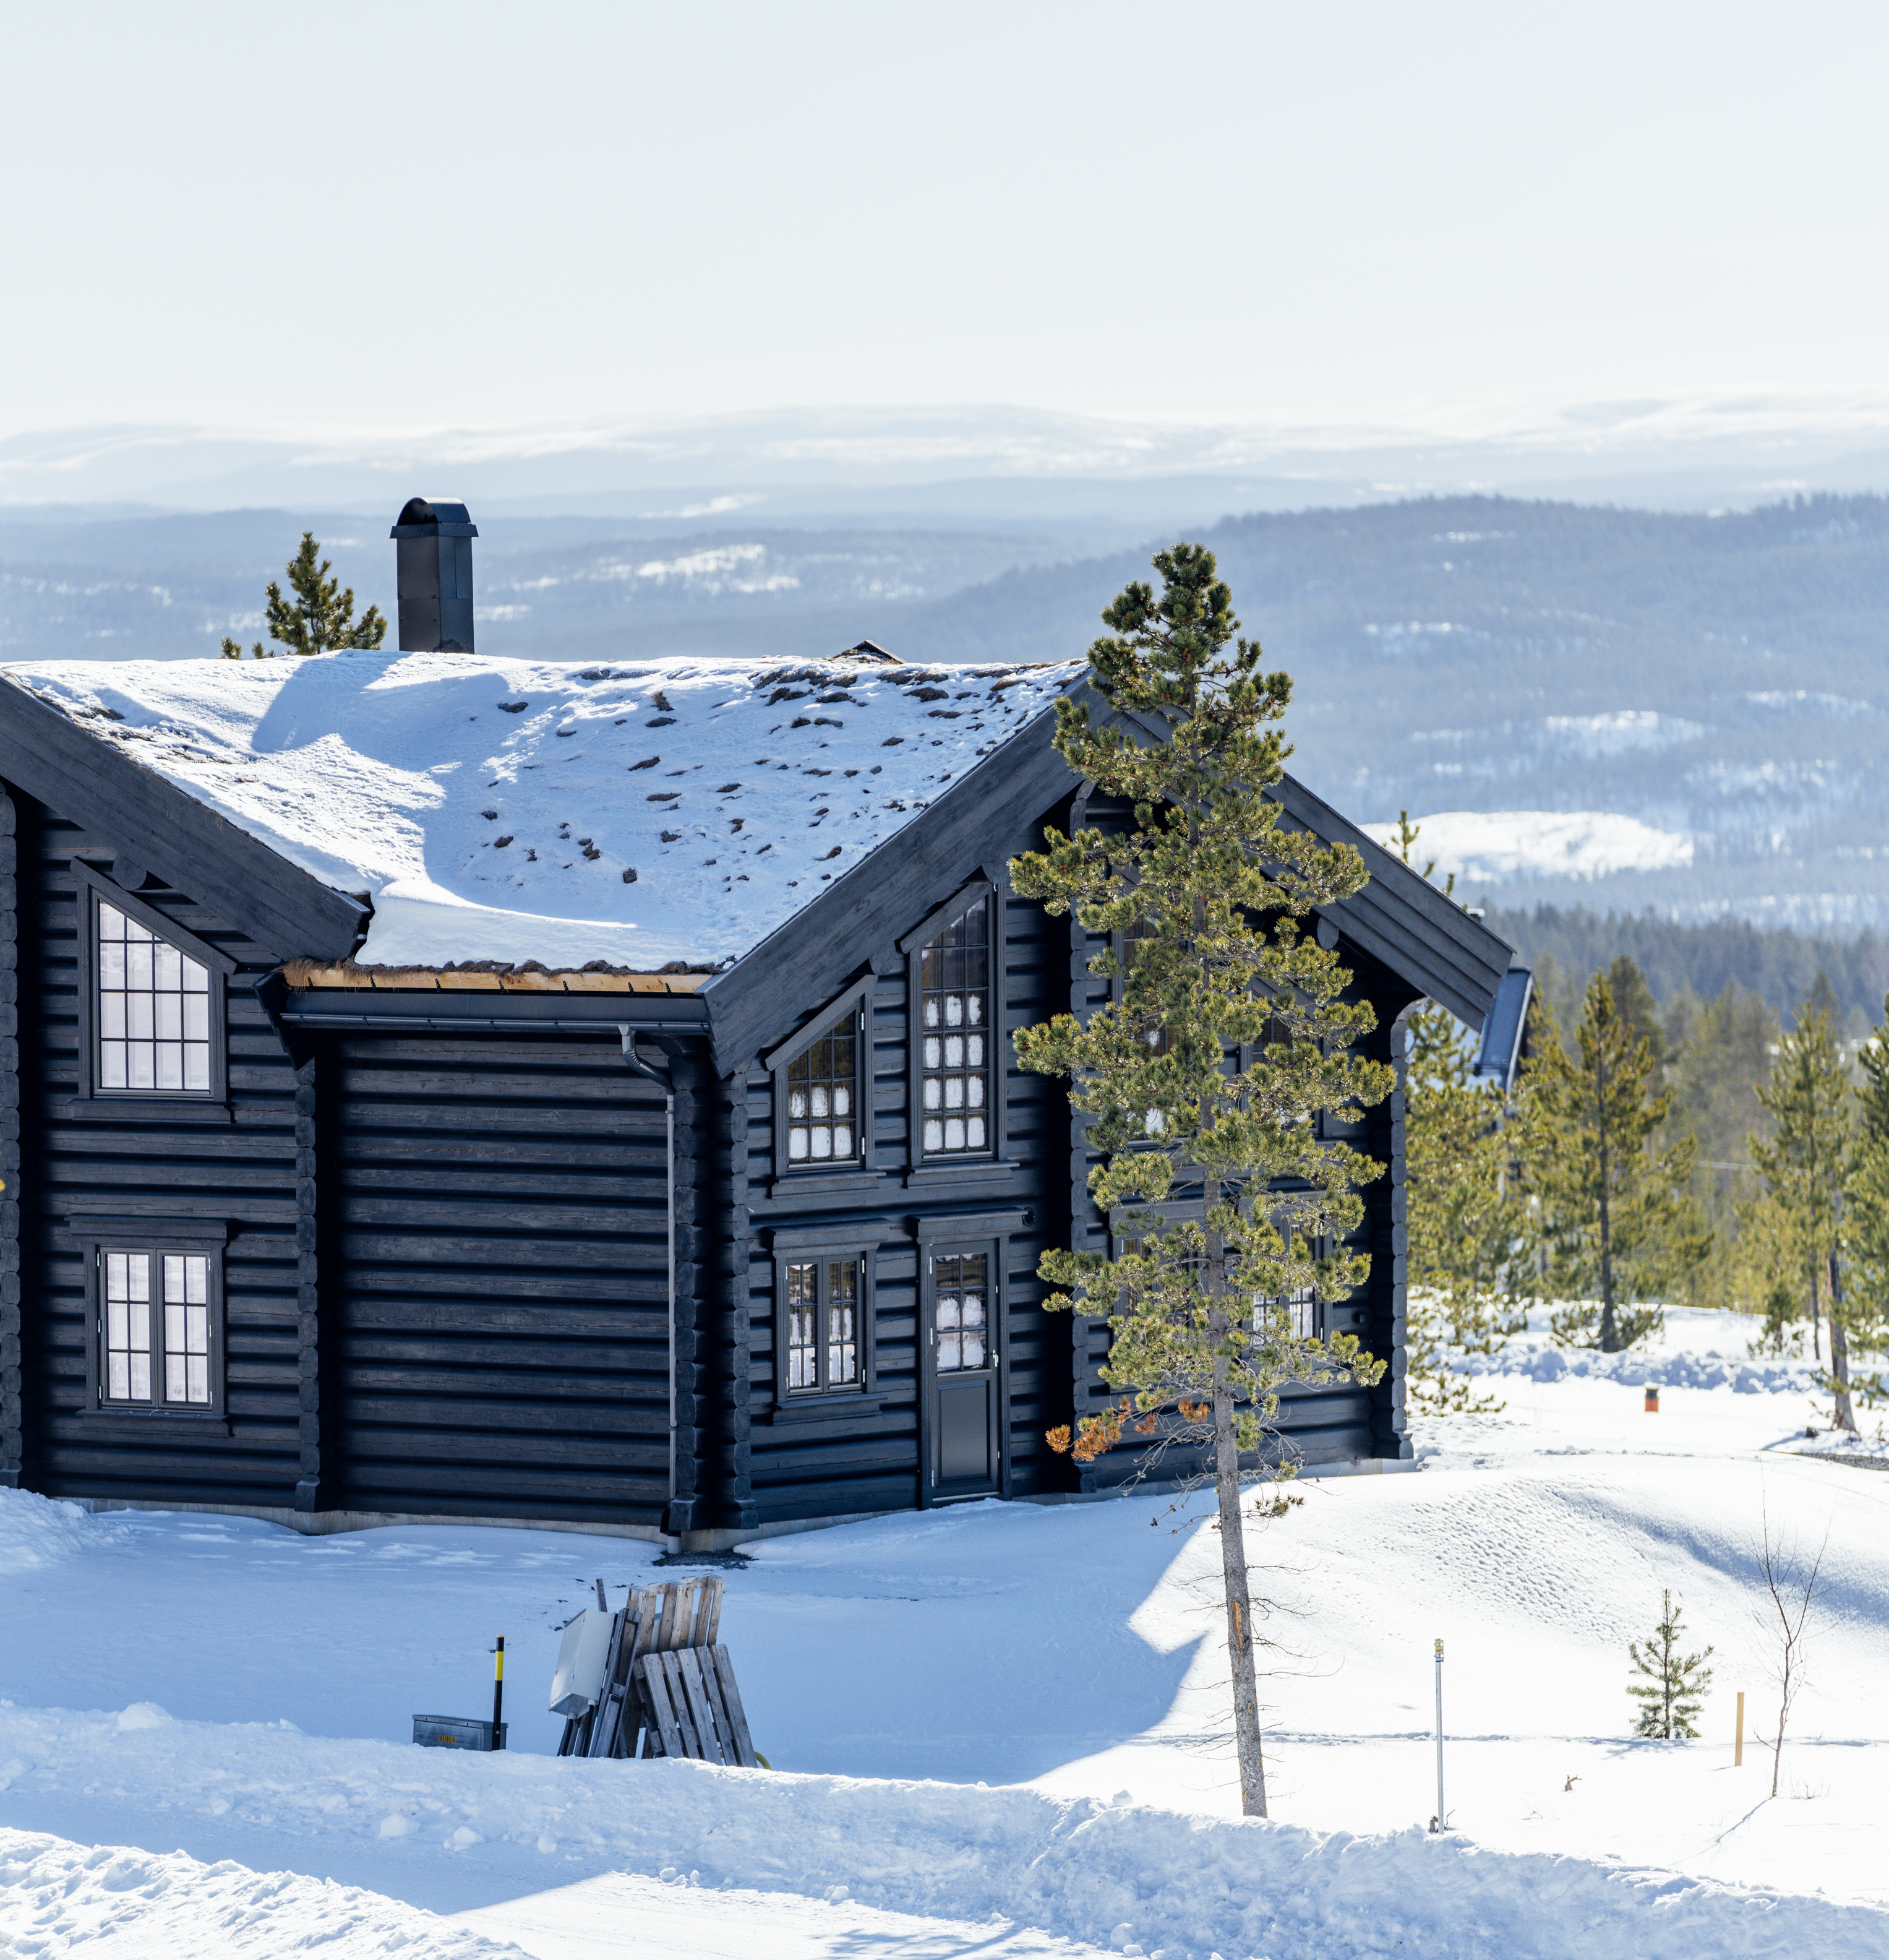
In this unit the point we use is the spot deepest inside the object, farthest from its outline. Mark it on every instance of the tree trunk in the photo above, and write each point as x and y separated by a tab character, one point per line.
1839	1353
1610	1329
1239	1631
1816	1342
1239	1604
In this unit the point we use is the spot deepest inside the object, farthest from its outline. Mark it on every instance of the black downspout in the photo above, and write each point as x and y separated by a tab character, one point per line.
662	1079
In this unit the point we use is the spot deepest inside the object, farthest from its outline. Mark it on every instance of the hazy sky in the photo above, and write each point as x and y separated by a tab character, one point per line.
360	216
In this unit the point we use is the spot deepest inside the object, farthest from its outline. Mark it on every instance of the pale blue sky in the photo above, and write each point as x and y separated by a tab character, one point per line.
362	216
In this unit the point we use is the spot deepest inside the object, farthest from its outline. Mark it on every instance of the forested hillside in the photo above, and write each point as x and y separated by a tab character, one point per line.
1719	678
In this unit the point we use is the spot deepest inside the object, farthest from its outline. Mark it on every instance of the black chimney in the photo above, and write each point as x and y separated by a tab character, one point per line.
434	549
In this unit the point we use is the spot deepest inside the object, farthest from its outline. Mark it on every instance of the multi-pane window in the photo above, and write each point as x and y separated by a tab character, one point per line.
823	1123
822	1324
153	1011
1132	940
954	1010
154	1329
961	1292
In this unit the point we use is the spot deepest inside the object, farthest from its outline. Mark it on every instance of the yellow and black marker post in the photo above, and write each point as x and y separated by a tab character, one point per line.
498	1693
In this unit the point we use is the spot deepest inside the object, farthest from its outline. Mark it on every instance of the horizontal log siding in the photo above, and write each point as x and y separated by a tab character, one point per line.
157	1164
14	1332
500	1273
855	1462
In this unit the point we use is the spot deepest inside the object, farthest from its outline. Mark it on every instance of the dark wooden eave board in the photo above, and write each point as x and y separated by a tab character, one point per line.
1404	920
478	1012
194	850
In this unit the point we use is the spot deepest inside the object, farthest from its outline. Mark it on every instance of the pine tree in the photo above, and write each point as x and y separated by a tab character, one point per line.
319	618
1861	1301
1678	1681
1470	1263
1634	1003
1804	1165
1721	1051
1616	1218
1217	891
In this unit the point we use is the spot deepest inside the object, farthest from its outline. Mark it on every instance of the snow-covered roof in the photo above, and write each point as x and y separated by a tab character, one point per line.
636	813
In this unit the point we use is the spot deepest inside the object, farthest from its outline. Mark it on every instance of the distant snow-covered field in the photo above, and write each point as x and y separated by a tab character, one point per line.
997	1728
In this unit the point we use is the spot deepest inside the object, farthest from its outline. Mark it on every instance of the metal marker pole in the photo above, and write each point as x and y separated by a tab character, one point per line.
498	1693
1441	1820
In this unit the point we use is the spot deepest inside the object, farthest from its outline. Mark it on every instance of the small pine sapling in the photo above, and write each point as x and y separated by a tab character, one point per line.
319	619
1670	1693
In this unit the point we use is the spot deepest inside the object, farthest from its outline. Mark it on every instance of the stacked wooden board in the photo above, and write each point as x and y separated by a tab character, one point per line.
666	1680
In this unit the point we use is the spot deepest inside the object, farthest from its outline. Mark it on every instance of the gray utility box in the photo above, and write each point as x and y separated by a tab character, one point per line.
458	1732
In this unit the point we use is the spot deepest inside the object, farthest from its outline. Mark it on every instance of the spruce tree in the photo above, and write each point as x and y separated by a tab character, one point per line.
319	618
1218	895
1620	1230
1804	1165
1672	1684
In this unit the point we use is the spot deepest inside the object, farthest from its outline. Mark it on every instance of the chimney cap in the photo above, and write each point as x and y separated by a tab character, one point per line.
433	517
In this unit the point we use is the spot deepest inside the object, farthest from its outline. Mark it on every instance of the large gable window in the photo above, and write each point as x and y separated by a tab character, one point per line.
954	1035
154	1010
151	1011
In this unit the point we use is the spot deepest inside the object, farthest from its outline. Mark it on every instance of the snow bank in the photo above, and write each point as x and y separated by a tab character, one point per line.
37	1531
1477	844
1115	1874
56	1898
1746	1375
511	810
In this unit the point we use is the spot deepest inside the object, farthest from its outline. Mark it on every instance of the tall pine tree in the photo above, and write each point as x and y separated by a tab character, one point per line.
1470	1257
1864	1303
1621	1231
1804	1164
1217	894
319	619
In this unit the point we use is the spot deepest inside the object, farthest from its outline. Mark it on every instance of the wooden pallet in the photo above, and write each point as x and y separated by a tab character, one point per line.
695	1707
658	1624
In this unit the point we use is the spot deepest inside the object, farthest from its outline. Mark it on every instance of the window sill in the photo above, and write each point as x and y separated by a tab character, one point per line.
948	1170
826	1409
140	1109
792	1184
132	1424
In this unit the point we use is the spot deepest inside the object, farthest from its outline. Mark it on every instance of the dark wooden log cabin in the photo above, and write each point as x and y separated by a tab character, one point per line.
682	1248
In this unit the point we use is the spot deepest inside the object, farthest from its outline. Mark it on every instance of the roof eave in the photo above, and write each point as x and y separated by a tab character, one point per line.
132	810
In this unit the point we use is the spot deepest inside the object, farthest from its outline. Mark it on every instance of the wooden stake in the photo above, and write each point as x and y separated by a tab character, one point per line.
1738	1748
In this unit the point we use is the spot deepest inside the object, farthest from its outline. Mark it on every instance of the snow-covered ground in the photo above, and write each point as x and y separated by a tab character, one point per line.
997	1728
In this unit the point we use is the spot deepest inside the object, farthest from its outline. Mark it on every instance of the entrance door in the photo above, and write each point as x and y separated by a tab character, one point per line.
966	1444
